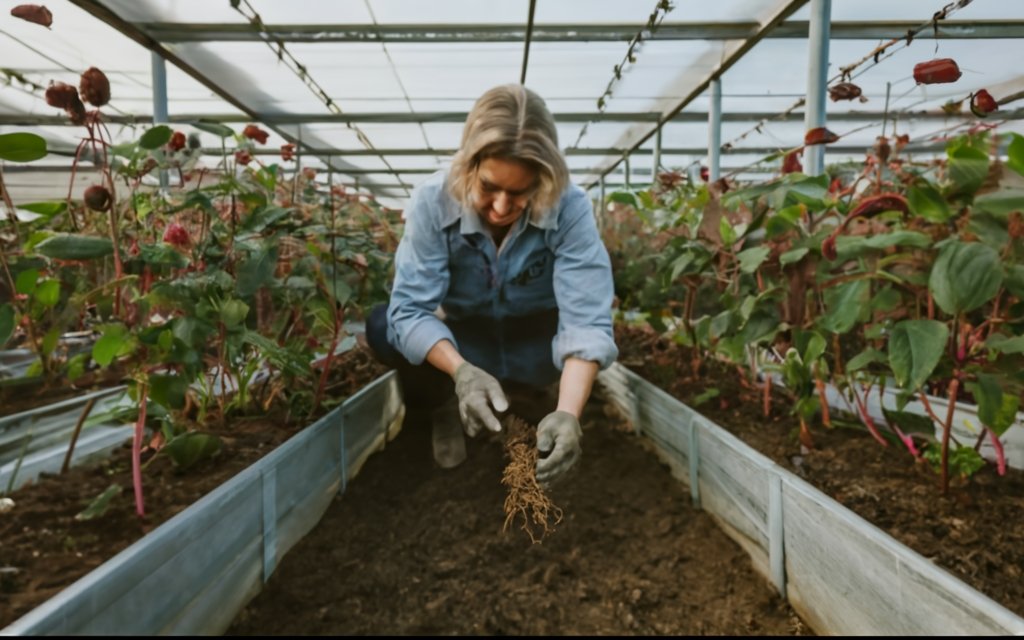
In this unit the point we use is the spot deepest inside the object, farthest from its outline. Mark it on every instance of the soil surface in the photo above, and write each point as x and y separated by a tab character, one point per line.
412	549
973	532
44	549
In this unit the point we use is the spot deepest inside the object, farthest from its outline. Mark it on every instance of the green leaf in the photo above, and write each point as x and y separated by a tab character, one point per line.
45	209
902	238
216	128
168	390
866	357
263	218
76	366
72	246
1005	344
7	323
25	283
233	313
1002	202
109	345
21	147
965	276
844	304
926	201
48	292
886	300
996	410
50	340
162	254
156	137
1015	152
100	503
256	271
968	168
793	255
708	394
726	230
190	448
915	348
751	259
909	422
624	197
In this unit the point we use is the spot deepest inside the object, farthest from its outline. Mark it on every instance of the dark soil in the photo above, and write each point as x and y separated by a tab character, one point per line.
411	549
43	549
974	532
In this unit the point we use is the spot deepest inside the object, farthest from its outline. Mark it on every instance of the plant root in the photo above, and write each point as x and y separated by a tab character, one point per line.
526	500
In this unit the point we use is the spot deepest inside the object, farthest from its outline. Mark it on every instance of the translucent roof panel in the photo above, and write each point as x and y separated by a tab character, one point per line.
385	85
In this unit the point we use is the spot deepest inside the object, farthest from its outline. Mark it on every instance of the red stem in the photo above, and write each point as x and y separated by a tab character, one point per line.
140	424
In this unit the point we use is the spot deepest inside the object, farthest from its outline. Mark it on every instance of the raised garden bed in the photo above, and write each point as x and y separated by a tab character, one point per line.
44	548
966	533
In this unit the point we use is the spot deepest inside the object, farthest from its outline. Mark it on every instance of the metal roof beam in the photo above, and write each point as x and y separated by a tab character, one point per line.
595	151
460	117
846	30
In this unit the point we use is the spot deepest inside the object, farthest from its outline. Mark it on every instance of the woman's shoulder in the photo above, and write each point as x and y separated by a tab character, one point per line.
431	198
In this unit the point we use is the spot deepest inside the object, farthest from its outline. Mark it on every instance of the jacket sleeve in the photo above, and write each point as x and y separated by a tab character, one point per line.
583	287
421	278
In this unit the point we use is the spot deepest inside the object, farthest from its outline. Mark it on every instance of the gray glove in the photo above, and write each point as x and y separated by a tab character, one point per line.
558	436
478	391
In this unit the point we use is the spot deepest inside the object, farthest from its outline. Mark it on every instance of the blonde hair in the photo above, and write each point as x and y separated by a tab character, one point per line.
511	122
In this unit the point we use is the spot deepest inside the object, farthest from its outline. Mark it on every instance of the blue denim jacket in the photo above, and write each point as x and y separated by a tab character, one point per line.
557	261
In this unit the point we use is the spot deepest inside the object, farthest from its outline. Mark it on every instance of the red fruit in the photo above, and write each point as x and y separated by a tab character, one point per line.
253	132
704	174
243	157
982	103
177	142
821	135
938	71
177	236
97	198
791	163
64	96
288	152
36	13
844	91
94	87
868	207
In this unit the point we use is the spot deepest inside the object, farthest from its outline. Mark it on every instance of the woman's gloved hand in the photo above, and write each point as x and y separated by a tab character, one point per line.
558	441
478	391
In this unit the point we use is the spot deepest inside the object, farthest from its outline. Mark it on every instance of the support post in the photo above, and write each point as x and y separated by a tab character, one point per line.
715	131
159	67
817	79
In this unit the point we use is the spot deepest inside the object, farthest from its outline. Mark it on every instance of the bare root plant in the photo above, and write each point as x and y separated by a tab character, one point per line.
526	500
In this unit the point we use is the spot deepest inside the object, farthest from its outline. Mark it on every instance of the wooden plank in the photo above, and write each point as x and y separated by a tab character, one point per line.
734	487
847	577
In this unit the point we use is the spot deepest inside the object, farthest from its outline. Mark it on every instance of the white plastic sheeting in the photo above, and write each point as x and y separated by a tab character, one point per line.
402	66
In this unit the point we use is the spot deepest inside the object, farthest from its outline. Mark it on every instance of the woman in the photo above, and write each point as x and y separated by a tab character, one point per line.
501	278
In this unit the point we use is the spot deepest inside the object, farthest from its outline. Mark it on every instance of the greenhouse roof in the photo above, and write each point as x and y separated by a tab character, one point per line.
380	88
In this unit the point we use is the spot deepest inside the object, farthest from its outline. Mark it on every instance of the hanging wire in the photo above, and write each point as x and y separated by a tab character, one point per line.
661	9
846	73
398	79
284	56
526	46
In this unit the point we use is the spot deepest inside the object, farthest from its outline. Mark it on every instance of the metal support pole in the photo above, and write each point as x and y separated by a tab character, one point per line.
625	166
601	209
715	131
159	100
817	79
656	163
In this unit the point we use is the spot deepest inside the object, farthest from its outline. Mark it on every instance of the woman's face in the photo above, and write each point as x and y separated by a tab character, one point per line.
502	190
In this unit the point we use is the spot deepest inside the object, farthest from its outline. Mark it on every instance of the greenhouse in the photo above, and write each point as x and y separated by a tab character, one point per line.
543	317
